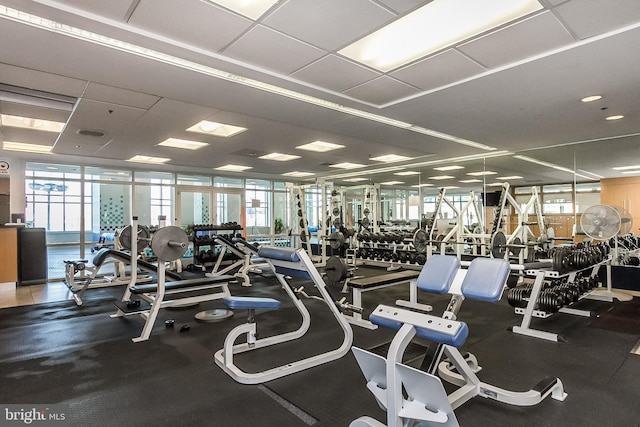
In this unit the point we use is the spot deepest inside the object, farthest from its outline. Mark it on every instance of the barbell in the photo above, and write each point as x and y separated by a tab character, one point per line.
168	243
336	269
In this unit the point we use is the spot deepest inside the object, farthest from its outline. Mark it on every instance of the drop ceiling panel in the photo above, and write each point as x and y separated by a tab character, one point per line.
402	6
23	110
335	73
113	9
115	95
518	41
195	22
28	136
587	18
381	90
266	48
328	24
32	79
439	70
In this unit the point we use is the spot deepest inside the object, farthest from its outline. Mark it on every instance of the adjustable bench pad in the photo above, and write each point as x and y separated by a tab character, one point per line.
251	303
182	284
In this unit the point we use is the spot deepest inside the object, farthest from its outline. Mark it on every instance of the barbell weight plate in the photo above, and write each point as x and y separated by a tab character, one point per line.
515	250
365	222
169	243
498	245
142	241
337	222
336	240
420	240
336	211
303	236
336	269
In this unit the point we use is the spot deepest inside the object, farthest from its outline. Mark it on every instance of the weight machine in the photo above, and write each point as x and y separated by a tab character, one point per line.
168	244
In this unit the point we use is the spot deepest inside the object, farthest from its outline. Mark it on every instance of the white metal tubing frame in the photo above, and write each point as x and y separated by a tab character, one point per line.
224	356
156	299
242	260
460	231
457	371
356	317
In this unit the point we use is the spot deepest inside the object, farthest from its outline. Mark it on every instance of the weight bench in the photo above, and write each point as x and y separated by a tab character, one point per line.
244	252
208	289
286	263
363	284
427	399
78	286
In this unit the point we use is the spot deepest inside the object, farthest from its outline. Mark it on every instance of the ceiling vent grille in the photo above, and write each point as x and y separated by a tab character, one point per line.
94	133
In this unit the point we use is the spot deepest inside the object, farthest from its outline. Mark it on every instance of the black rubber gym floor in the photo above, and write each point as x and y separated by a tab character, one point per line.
59	353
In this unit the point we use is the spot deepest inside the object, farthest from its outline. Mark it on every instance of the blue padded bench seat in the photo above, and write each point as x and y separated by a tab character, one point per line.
181	284
455	340
282	254
383	279
251	303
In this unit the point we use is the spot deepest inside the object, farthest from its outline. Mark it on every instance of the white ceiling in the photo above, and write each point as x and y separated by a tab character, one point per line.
515	89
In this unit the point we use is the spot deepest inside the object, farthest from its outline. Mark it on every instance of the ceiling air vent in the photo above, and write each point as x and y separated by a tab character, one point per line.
95	133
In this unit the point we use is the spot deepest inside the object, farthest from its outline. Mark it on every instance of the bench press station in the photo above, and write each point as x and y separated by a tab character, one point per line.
286	263
169	244
245	263
427	399
104	257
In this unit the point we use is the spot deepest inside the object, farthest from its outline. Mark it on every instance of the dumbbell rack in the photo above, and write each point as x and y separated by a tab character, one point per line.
203	238
389	249
530	310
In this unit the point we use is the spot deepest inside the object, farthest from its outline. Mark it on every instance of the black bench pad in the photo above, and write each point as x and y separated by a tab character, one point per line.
181	284
384	279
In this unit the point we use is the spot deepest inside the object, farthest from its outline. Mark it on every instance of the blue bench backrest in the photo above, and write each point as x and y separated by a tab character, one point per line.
438	274
485	279
286	261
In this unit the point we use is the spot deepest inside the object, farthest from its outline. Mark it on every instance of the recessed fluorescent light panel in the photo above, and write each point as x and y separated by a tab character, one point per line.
252	9
233	168
507	178
182	143
450	187
355	179
407	173
470	181
422	185
631	172
591	98
216	129
319	146
148	159
297	174
612	118
26	148
31	123
387	158
494	184
448	168
441	177
482	173
279	157
346	165
392	183
435	26
624	168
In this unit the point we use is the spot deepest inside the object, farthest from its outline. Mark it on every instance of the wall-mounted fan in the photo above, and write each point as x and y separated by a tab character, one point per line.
603	222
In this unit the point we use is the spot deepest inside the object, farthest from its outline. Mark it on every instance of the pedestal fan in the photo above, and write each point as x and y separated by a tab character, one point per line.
603	222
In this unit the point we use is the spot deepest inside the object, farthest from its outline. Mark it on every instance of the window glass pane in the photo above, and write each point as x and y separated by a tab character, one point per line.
106	174
524	190
199	180
153	177
220	181
53	170
279	186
